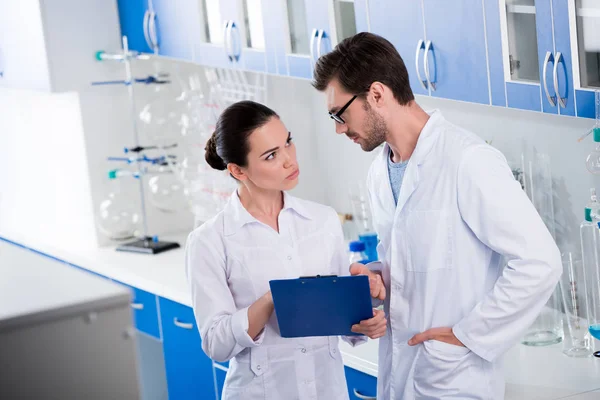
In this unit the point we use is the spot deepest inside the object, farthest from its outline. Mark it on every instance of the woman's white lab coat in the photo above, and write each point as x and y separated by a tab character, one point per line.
460	212
229	262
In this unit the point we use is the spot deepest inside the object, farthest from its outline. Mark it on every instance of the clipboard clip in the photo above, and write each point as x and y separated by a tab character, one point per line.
318	276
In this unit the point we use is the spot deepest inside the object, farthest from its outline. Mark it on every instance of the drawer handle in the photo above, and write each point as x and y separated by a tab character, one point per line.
182	325
137	306
362	396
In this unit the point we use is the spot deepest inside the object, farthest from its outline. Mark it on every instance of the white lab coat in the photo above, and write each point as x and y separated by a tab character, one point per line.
229	262
460	212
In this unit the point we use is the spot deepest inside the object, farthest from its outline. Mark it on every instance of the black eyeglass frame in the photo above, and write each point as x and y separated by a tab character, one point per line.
337	117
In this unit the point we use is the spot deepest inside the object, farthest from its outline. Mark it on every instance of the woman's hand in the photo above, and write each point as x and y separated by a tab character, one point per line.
374	327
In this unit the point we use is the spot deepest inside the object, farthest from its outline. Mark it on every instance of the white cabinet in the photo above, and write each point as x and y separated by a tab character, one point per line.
50	45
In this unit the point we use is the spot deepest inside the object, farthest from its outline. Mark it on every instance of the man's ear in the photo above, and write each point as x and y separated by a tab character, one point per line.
237	172
377	93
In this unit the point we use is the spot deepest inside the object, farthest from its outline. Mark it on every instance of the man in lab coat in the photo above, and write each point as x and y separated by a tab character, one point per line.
466	261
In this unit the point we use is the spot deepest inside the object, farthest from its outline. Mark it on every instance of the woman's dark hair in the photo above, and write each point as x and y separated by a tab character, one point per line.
229	142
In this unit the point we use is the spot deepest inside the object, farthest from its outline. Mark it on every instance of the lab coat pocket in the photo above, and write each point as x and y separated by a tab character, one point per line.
429	240
443	370
245	378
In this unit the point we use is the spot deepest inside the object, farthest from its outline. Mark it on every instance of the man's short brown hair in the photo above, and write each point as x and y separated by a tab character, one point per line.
360	60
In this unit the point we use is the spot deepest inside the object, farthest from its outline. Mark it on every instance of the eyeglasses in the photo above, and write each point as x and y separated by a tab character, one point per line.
337	117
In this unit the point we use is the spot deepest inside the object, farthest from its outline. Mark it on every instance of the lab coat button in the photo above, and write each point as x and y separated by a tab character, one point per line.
289	257
303	350
258	367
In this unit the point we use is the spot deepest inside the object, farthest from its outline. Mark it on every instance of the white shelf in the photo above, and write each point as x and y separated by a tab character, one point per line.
520	9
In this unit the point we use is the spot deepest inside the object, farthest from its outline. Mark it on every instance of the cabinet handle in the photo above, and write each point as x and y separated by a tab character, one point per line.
420	45
313	38
146	27
226	40
426	64
152	31
137	306
235	54
322	35
549	58
182	325
557	60
360	396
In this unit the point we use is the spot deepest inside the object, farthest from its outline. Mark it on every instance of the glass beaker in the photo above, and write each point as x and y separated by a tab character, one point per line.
547	328
594	300
575	301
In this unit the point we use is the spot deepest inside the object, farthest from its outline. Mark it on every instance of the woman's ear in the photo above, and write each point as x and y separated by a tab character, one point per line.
237	172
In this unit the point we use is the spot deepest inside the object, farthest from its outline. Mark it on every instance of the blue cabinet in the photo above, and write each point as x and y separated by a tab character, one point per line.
537	37
301	31
189	370
562	58
401	22
134	17
174	26
456	58
145	311
442	62
360	385
545	37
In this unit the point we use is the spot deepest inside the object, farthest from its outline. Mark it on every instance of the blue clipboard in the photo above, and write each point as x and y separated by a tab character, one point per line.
322	305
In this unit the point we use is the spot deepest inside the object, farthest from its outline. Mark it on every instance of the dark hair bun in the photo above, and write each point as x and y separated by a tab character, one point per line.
211	156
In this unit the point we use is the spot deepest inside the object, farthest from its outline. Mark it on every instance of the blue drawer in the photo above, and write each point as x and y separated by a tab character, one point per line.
145	311
189	370
361	386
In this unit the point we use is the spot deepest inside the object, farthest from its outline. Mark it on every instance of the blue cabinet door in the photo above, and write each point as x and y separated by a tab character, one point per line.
209	46
457	59
564	67
300	30
360	385
145	312
133	19
401	22
494	45
177	25
545	40
189	370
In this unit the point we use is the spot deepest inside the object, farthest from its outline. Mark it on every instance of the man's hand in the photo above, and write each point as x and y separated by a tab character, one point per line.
374	327
440	334
375	282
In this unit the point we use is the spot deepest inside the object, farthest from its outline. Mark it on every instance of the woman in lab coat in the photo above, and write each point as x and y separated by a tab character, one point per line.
264	233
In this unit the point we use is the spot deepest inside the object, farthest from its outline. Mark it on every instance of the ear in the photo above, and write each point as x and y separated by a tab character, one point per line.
377	93
237	172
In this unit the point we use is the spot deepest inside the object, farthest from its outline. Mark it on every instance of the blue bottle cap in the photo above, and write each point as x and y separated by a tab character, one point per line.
357	246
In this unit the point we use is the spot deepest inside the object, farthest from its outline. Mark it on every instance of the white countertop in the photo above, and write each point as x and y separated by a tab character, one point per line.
35	288
531	373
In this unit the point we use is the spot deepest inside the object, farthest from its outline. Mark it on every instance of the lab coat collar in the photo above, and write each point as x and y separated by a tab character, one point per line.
425	141
236	216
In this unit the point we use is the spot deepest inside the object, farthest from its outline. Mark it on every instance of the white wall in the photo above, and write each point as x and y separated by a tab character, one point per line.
45	192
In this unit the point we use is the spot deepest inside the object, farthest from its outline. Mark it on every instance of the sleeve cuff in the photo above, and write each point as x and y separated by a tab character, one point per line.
375	266
470	344
239	326
355	340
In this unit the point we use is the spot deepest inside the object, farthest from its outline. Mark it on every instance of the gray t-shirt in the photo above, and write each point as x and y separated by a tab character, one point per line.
396	173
